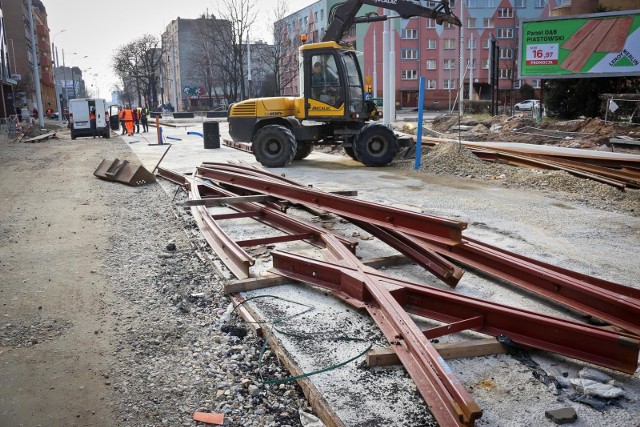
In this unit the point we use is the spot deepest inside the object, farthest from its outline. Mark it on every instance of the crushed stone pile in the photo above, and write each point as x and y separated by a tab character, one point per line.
453	159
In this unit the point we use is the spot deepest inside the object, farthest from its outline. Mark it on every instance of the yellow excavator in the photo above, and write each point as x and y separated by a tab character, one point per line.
332	109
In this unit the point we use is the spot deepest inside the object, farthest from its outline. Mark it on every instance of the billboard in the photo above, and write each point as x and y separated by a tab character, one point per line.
597	45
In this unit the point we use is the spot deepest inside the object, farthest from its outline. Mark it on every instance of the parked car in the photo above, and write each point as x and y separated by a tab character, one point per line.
526	105
164	108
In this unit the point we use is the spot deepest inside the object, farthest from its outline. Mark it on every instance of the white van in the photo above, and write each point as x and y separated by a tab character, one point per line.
79	124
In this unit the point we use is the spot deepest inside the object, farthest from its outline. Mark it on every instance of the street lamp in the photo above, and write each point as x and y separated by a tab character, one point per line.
54	51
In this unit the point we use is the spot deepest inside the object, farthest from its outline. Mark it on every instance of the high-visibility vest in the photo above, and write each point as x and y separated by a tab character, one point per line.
128	115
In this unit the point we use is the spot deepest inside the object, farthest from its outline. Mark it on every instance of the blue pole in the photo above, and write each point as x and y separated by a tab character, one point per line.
420	115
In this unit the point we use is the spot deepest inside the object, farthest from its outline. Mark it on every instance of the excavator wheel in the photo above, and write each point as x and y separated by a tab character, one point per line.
349	151
376	145
274	146
303	151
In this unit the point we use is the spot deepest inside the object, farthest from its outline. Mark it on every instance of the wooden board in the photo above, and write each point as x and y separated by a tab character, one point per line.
617	36
40	137
579	35
581	54
456	350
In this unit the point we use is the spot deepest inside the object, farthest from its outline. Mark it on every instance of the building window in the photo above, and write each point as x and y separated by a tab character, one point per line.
505	12
471	3
540	3
431	84
471	22
505	33
521	3
491	3
472	44
471	64
535	84
409	74
485	64
517	84
409	34
431	44
409	54
449	43
487	23
486	44
432	64
506	53
506	73
449	84
449	64
431	23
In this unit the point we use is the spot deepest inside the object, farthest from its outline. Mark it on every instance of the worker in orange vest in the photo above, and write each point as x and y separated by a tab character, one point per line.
92	121
128	120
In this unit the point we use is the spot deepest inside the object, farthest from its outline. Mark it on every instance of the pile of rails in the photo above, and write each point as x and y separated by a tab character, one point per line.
438	245
618	171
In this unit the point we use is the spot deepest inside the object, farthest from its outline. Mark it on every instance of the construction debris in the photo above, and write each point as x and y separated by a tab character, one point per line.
124	172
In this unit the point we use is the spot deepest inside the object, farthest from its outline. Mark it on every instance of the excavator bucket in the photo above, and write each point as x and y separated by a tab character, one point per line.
124	172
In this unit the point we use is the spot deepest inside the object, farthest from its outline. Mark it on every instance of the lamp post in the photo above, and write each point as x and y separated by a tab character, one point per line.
54	54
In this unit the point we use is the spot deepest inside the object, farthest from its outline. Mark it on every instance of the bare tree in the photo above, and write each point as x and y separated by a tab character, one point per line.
241	15
136	65
207	68
282	65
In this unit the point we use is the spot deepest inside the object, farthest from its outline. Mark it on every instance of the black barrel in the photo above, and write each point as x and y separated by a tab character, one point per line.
211	133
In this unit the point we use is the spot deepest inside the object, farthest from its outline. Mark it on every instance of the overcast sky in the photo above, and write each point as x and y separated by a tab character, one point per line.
96	28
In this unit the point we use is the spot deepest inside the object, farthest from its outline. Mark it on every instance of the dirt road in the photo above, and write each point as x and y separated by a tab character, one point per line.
56	342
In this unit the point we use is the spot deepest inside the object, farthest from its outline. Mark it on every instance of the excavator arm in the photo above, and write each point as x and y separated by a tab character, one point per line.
343	15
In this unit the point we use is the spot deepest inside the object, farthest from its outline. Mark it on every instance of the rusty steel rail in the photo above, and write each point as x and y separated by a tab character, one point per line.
439	229
612	302
173	176
231	254
436	264
273	218
575	340
242	146
447	398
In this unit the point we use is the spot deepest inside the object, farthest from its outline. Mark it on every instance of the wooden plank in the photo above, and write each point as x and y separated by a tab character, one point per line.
40	137
247	316
313	395
581	54
253	283
617	36
579	35
455	350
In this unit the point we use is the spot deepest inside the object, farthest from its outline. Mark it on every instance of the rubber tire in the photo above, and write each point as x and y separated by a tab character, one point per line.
517	108
73	135
274	146
303	150
376	145
349	151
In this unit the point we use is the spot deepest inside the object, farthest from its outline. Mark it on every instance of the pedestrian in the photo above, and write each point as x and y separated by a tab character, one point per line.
121	118
19	114
128	120
49	111
92	121
34	113
144	113
136	119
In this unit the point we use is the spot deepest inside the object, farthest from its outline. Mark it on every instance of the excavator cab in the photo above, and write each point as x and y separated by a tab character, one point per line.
332	83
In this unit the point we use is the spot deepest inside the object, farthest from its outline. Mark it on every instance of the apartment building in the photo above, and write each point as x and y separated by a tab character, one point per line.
7	83
18	34
424	48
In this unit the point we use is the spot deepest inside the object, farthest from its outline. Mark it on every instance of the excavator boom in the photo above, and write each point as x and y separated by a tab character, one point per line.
343	15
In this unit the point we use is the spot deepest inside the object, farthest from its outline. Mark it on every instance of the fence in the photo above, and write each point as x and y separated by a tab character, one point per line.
622	110
9	126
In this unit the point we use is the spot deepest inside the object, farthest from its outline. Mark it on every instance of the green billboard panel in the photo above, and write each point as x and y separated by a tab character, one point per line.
597	45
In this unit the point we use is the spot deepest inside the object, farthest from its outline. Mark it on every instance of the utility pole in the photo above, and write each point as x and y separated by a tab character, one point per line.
36	65
249	79
461	76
